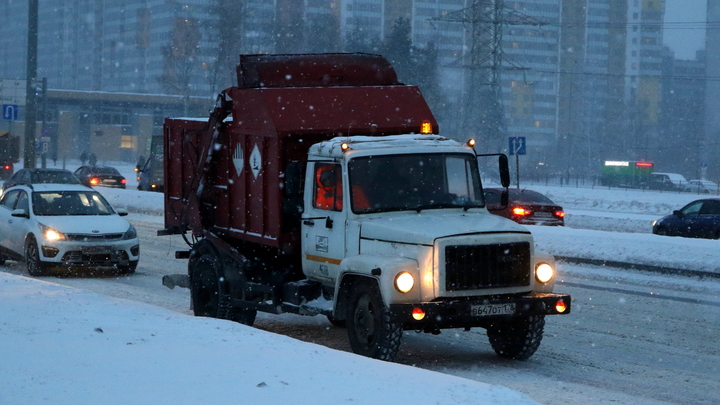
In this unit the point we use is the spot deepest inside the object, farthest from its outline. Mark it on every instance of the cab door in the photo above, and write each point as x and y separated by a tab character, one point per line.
323	223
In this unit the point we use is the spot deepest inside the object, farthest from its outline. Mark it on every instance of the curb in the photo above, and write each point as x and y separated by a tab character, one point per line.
643	267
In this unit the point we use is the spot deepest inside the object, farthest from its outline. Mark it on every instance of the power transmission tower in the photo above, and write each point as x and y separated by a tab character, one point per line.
482	109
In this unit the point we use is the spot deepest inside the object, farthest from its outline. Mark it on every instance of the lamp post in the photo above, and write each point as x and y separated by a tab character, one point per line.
30	107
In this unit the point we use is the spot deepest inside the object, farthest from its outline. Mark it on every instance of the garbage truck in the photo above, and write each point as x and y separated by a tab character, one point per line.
320	185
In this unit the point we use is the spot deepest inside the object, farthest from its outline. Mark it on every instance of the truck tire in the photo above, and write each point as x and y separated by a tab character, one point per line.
372	331
517	339
207	293
34	266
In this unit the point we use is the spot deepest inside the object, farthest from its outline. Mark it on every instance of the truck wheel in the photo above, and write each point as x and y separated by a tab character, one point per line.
208	295
34	266
204	287
371	329
517	339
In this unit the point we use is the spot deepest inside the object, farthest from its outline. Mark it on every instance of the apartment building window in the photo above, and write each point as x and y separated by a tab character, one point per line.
127	141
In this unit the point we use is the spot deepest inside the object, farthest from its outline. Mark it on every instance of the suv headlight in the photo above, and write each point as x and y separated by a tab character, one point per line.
131	233
51	234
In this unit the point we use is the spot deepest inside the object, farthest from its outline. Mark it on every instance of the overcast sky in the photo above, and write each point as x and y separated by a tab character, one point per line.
685	39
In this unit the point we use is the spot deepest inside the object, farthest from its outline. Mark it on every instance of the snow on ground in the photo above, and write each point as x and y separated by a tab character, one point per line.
69	346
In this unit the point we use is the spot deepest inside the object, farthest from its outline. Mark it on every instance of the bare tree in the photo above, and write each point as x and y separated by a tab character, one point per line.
179	57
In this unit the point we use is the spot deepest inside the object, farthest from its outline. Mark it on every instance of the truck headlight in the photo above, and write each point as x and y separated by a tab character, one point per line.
544	272
404	282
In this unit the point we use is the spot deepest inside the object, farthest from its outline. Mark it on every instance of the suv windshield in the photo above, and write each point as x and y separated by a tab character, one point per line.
69	203
414	182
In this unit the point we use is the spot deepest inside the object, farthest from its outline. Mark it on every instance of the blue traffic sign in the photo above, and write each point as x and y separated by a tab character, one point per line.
10	112
517	145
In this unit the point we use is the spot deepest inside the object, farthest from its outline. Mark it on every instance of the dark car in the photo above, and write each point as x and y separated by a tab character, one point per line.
699	219
40	176
525	206
105	176
6	170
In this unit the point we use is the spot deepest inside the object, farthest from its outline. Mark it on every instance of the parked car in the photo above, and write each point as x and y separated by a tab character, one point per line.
39	176
699	219
64	225
525	206
668	182
703	186
105	176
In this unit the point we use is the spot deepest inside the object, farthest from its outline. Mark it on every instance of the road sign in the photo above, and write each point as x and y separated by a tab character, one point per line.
517	145
12	91
10	112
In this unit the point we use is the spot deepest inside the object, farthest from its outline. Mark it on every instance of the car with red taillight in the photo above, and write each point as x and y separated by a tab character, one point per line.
525	206
104	176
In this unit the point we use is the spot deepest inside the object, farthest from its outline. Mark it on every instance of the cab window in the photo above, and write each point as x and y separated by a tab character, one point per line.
328	187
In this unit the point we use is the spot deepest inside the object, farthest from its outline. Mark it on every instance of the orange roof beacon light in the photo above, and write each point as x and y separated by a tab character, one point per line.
426	127
471	143
344	146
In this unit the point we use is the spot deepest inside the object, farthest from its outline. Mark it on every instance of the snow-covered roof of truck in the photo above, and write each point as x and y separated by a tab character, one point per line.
387	144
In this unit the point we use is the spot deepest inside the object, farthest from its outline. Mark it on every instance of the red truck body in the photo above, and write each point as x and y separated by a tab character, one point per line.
283	105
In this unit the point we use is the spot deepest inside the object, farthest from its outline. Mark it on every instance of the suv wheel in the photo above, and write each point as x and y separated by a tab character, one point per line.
35	267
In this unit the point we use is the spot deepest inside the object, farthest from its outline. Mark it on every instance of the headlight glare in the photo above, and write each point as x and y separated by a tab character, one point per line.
544	272
404	282
51	234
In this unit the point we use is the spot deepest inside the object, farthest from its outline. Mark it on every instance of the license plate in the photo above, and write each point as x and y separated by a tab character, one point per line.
493	309
111	181
543	214
96	250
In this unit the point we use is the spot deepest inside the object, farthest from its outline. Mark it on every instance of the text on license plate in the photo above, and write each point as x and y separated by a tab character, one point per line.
493	309
96	250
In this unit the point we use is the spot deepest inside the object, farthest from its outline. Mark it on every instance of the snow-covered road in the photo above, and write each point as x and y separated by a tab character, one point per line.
633	337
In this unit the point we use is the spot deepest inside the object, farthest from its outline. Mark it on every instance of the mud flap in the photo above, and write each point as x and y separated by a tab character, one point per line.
176	280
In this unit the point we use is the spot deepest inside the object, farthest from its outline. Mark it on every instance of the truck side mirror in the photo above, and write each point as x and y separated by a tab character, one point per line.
504	173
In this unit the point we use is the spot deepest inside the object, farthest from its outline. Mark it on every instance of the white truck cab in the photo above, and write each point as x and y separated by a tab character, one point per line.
406	215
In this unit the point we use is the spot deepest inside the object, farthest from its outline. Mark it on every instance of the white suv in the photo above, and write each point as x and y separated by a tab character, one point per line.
65	225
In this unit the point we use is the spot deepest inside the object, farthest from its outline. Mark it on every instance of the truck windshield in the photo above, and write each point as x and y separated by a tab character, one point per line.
414	182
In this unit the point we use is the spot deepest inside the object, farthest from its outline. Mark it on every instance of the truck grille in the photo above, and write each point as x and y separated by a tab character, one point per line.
82	237
487	266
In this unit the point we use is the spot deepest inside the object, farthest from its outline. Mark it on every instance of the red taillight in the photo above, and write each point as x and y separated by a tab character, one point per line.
559	214
94	181
643	164
123	181
520	211
7	167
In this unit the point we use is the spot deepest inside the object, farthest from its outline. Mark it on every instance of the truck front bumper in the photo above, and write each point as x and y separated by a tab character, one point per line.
478	311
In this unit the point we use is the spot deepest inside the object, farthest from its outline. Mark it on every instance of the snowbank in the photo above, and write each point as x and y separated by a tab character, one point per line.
67	346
